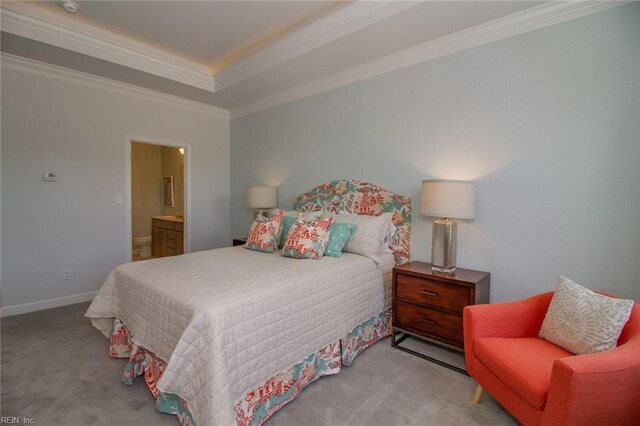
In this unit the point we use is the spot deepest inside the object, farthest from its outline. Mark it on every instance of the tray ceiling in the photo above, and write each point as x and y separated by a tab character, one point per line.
247	55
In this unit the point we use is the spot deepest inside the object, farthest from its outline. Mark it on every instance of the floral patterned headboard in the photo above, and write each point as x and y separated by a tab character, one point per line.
357	197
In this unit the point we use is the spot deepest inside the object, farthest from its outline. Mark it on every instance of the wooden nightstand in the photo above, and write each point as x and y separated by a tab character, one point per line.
239	241
429	305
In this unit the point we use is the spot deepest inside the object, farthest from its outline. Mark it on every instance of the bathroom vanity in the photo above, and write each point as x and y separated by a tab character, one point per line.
167	236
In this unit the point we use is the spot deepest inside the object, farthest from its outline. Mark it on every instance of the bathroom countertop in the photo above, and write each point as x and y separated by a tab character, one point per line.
169	218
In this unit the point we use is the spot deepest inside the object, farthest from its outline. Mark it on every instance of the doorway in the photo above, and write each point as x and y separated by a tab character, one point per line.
157	198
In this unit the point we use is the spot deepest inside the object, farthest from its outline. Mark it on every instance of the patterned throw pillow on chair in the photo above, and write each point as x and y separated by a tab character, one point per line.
307	239
582	321
264	234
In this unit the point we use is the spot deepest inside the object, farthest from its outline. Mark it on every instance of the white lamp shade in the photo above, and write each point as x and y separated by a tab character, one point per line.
455	199
262	197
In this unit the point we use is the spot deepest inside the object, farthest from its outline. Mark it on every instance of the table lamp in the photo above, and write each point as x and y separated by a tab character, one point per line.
262	198
447	200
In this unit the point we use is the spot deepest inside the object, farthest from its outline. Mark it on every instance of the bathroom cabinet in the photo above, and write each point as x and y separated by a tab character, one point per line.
167	236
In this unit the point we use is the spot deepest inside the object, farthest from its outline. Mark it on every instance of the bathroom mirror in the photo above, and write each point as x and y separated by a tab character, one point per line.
167	191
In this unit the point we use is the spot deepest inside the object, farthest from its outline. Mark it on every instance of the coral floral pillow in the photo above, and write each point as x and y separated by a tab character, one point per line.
264	234
291	216
307	239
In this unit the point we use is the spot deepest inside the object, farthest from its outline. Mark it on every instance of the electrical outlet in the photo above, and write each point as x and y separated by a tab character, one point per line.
66	273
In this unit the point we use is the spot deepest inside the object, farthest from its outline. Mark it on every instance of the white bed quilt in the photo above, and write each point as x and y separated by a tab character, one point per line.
226	320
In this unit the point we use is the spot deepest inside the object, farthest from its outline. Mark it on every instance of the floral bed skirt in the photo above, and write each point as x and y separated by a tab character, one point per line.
258	404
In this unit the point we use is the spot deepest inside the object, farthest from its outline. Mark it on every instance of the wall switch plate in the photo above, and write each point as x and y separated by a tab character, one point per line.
50	176
119	199
66	273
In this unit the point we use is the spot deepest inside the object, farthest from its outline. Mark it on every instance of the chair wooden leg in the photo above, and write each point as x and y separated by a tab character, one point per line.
478	394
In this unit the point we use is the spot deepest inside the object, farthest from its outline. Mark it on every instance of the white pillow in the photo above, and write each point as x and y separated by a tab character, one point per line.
391	232
369	234
307	215
582	321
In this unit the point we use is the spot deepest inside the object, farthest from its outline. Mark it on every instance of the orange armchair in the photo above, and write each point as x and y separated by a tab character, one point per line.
542	384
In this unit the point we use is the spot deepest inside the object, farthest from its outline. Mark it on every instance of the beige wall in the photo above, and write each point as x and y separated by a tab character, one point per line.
173	165
146	173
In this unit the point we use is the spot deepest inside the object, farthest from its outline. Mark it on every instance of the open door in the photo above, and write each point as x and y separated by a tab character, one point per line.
158	195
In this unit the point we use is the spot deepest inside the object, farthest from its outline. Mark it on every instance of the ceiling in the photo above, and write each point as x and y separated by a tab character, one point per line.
247	55
213	34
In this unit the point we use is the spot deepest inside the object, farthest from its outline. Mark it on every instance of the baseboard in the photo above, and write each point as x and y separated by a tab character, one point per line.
7	311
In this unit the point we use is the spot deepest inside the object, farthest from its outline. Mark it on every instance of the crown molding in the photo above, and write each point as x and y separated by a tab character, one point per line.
347	20
26	20
535	18
18	63
39	24
34	22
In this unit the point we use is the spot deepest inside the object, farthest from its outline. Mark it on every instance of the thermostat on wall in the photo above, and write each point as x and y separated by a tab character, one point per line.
50	176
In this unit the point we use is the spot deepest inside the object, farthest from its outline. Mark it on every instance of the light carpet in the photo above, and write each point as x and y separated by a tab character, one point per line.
56	371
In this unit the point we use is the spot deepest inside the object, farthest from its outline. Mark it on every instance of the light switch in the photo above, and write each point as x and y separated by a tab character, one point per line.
119	199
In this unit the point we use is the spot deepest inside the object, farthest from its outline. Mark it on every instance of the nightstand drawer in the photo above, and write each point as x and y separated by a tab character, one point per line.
433	293
430	322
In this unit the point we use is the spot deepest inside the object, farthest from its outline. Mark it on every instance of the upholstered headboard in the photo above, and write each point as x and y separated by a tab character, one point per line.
357	197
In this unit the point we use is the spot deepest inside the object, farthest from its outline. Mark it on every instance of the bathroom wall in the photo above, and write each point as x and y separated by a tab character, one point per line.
173	165
146	174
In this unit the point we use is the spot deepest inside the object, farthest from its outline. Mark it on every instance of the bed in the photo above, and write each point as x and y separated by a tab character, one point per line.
229	336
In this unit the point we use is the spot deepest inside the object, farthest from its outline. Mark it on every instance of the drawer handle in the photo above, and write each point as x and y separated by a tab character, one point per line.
428	321
429	293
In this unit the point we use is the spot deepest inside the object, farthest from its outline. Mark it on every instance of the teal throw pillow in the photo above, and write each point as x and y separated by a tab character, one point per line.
339	235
